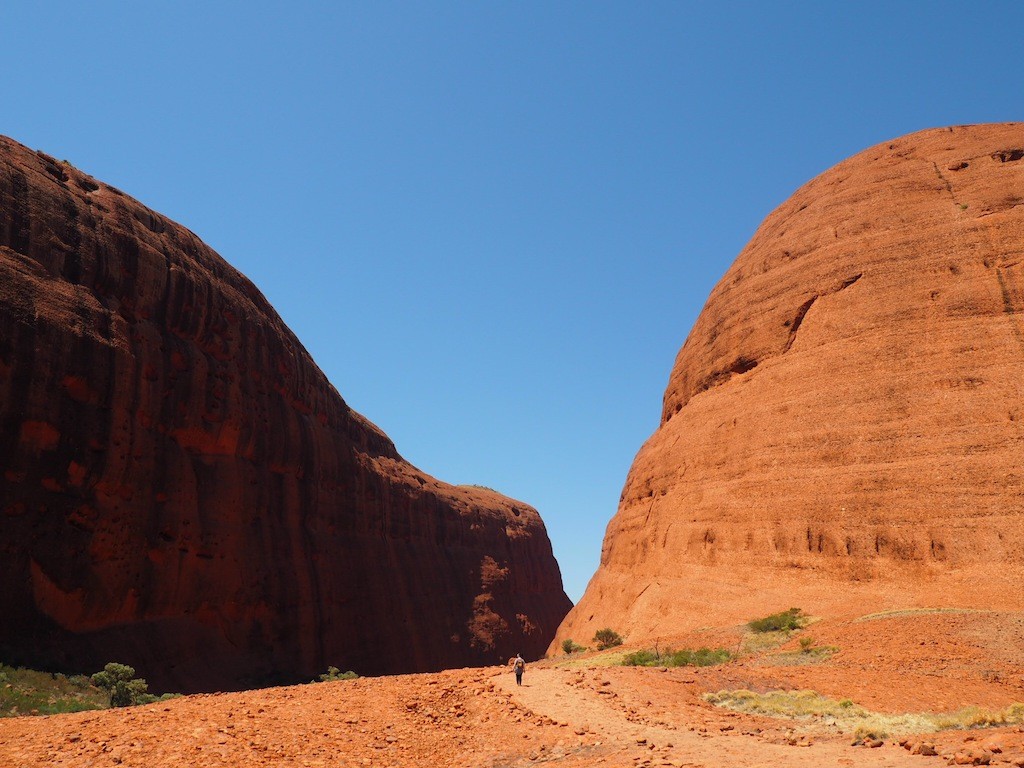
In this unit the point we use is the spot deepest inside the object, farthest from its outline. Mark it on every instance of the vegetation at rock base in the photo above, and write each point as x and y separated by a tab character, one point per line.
124	689
571	646
333	673
786	620
31	692
702	657
607	638
863	723
26	692
119	681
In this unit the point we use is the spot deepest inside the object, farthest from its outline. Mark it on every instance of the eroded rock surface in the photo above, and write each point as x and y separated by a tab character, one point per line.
843	429
183	490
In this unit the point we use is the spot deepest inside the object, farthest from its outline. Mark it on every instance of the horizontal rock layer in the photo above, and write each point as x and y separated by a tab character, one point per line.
843	429
182	489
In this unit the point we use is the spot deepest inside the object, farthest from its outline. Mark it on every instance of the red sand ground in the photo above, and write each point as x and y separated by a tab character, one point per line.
575	716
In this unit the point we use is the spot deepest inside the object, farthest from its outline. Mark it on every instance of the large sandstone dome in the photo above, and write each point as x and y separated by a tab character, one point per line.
183	490
843	429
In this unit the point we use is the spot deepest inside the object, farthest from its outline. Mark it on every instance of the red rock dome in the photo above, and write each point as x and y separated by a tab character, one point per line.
843	429
183	490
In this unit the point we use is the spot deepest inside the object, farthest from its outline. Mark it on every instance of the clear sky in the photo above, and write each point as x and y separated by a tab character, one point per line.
493	224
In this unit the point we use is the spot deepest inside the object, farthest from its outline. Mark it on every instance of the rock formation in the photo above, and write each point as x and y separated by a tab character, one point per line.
843	429
182	489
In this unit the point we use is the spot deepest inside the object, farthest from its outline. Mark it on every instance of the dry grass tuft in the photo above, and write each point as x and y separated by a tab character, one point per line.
848	717
590	659
815	655
754	643
901	612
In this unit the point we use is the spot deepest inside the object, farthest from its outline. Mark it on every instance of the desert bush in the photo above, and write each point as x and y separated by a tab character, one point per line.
806	644
641	659
333	674
120	682
570	646
607	638
26	691
702	657
787	620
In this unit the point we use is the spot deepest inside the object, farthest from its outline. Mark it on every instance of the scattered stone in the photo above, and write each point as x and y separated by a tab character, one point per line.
972	757
925	748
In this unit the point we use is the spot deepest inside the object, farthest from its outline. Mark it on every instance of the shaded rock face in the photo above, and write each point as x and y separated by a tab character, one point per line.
843	429
183	490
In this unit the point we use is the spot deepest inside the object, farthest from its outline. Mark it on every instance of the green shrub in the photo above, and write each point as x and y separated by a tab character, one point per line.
120	682
787	620
607	638
641	659
703	657
806	644
28	691
333	674
570	646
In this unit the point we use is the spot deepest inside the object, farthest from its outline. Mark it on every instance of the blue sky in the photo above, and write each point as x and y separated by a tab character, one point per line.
493	224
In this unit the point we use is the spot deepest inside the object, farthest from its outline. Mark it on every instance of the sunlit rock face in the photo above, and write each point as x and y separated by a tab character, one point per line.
182	489
843	430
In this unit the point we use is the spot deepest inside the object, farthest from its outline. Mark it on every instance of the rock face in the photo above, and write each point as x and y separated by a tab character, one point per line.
843	429
183	490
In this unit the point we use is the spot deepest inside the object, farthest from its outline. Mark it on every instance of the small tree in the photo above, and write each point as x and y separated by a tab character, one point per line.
120	682
779	622
571	646
607	638
333	674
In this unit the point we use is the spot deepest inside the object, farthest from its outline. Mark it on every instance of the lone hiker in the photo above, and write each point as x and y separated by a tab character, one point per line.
518	665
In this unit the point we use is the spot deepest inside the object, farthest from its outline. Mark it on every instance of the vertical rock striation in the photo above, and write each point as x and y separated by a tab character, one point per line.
182	489
843	429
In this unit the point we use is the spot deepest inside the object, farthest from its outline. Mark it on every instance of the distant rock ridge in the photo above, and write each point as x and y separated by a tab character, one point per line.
183	490
843	429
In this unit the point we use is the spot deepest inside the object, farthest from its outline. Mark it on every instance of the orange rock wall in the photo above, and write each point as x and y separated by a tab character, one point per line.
843	430
183	490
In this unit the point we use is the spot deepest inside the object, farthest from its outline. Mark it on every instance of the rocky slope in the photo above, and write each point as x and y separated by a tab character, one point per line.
843	429
182	489
580	713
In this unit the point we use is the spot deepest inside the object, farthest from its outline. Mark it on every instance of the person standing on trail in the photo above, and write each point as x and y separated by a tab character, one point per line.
518	665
